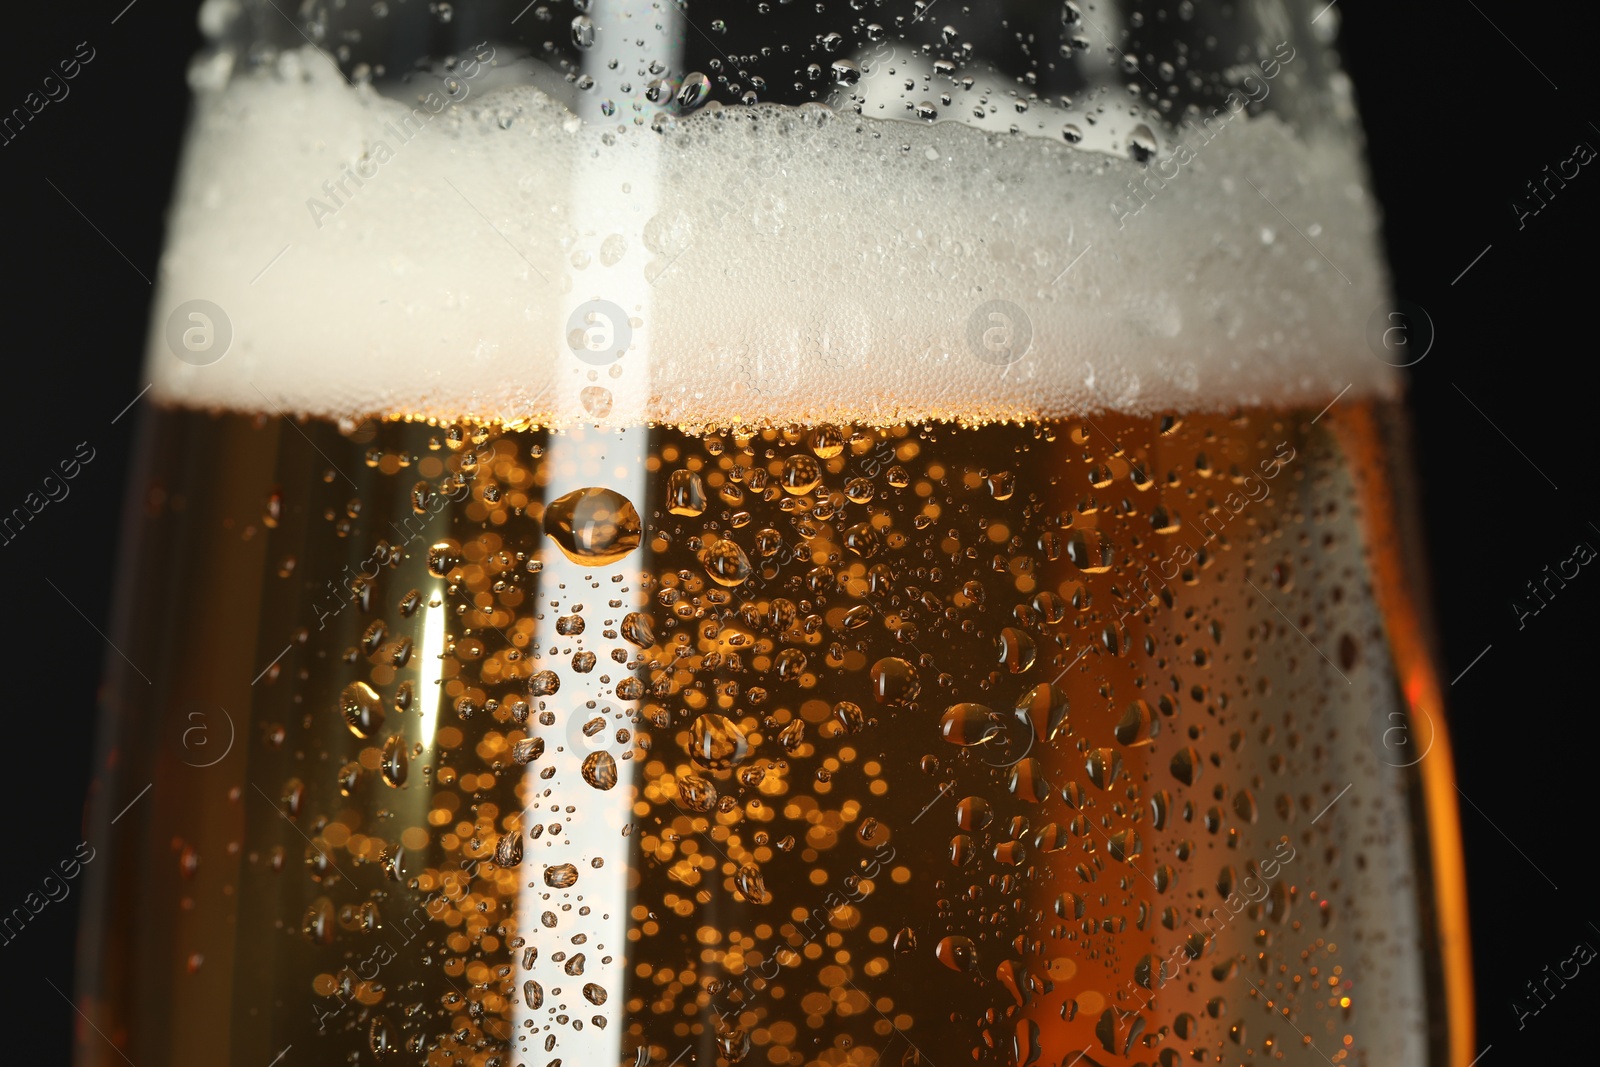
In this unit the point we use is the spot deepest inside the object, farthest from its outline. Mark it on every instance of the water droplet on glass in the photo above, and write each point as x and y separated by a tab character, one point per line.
715	742
751	885
693	92
696	793
383	1038
969	724
956	952
361	708
725	562
561	876
686	493
593	526
1142	144
395	761
600	770
508	852
894	681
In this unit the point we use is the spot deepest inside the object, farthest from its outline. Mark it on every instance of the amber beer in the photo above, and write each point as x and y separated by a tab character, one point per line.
1031	743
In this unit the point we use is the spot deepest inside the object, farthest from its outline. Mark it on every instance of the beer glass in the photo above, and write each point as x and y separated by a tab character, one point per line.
786	533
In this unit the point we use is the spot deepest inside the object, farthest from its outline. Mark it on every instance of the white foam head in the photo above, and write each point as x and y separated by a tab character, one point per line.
783	264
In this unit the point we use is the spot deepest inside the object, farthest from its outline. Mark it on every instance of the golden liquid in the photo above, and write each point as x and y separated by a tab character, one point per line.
1079	742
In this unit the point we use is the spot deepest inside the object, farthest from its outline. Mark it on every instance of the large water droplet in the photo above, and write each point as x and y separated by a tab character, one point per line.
593	526
1136	727
508	852
894	681
693	92
383	1038
696	793
751	885
715	742
395	761
361	708
725	562
1017	650
600	770
1142	144
969	724
686	493
956	952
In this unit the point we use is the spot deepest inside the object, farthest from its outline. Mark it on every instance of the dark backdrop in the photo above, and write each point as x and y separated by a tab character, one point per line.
1459	115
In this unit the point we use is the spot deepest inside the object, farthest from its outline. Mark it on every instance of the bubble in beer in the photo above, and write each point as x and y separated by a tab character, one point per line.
593	526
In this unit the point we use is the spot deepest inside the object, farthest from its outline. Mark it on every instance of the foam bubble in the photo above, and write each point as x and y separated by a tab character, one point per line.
455	260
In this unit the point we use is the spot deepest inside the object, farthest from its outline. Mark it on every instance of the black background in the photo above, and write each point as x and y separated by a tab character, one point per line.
1458	120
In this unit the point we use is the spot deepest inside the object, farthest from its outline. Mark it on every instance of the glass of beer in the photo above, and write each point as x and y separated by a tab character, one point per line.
789	534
